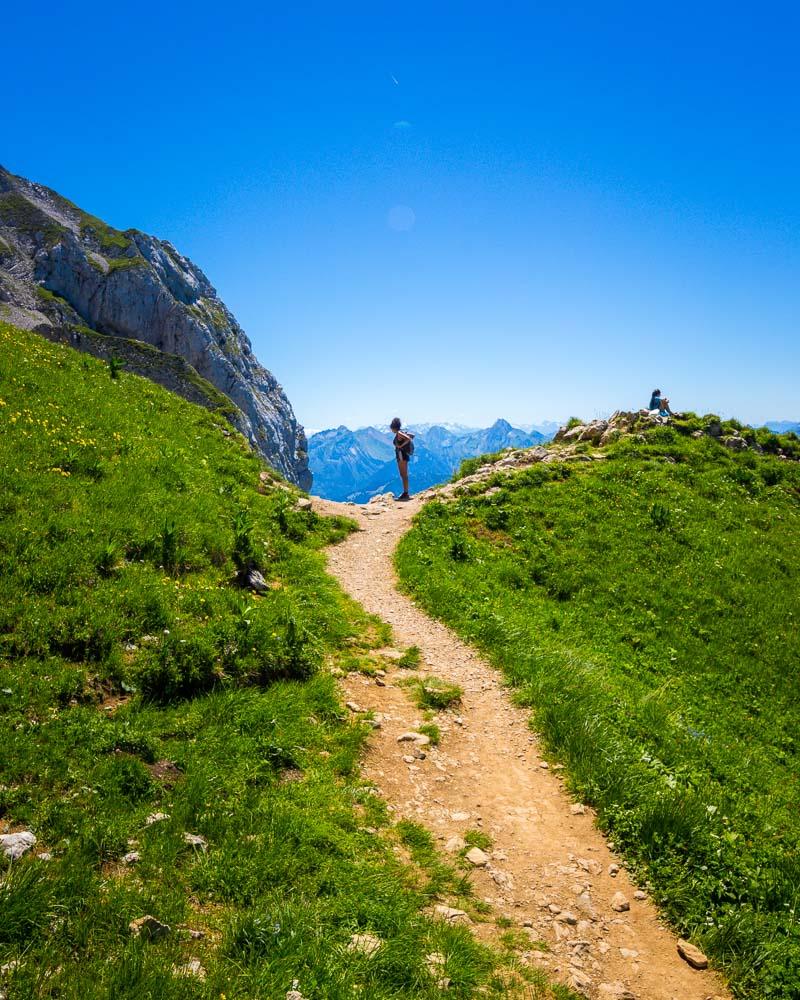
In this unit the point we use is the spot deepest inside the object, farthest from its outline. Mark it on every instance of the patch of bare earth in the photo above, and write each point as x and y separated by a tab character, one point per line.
549	868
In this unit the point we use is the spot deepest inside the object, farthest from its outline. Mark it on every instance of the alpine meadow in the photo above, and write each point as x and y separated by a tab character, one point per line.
175	739
642	599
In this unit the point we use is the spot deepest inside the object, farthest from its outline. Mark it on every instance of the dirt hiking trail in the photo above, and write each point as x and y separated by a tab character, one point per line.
549	869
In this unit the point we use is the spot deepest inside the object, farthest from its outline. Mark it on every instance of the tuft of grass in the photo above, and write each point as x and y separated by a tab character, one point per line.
411	658
433	693
645	607
432	731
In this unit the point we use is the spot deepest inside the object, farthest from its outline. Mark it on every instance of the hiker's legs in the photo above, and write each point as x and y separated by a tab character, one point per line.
402	465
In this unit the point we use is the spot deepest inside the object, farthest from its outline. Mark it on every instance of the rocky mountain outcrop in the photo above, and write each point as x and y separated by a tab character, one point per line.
69	276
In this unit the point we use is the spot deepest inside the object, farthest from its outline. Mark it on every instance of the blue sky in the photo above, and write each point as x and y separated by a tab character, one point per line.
448	211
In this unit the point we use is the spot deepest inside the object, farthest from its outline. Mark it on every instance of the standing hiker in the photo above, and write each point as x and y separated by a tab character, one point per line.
403	450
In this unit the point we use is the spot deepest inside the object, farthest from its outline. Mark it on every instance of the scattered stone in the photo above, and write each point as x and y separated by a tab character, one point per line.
191	968
45	856
195	840
408	758
527	923
304	503
419	738
352	706
613	870
294	993
191	933
577	809
639	894
451	914
149	928
691	954
380	682
619	903
459	817
565	917
580	981
254	580
131	858
628	953
544	765
364	944
392	654
477	857
14	845
590	865
584	904
156	818
455	844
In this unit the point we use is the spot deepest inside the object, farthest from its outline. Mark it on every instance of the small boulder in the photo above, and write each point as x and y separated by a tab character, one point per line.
451	914
148	928
195	840
304	504
619	903
364	944
577	809
254	580
455	844
691	954
477	857
14	845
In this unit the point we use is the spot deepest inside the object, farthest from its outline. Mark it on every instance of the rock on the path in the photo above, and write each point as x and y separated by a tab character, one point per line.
14	845
692	954
477	857
577	809
304	503
451	914
148	927
628	953
455	844
352	706
619	903
640	895
613	870
364	944
419	738
580	981
409	758
565	917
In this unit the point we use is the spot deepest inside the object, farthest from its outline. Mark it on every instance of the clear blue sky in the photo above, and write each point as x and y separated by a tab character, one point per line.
604	197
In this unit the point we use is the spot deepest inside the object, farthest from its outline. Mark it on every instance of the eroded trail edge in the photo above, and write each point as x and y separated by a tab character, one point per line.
549	869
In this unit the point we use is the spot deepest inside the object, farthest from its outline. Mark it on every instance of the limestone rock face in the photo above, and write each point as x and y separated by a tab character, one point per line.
70	276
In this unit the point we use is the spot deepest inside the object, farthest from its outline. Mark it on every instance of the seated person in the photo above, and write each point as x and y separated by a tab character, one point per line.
660	404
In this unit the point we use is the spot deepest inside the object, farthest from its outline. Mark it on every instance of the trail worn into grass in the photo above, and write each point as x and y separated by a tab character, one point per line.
549	868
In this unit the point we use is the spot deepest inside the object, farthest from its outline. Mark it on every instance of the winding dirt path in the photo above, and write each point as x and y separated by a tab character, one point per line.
549	868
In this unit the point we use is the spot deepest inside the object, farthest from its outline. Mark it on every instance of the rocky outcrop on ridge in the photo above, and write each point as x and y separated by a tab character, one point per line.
69	276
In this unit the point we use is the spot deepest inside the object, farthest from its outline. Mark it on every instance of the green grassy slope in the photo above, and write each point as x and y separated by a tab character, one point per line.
647	608
136	678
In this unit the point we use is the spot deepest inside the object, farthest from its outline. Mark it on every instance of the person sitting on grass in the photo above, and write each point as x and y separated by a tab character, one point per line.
403	448
660	404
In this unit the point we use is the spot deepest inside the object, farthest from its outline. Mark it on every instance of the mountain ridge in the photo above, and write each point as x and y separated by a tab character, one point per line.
69	276
356	465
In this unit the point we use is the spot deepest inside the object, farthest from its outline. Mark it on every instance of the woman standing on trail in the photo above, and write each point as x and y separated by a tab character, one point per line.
403	450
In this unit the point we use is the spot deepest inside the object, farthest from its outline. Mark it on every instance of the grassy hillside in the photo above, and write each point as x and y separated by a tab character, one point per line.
175	742
647	608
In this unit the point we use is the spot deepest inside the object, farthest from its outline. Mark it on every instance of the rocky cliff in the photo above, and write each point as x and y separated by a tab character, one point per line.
69	276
